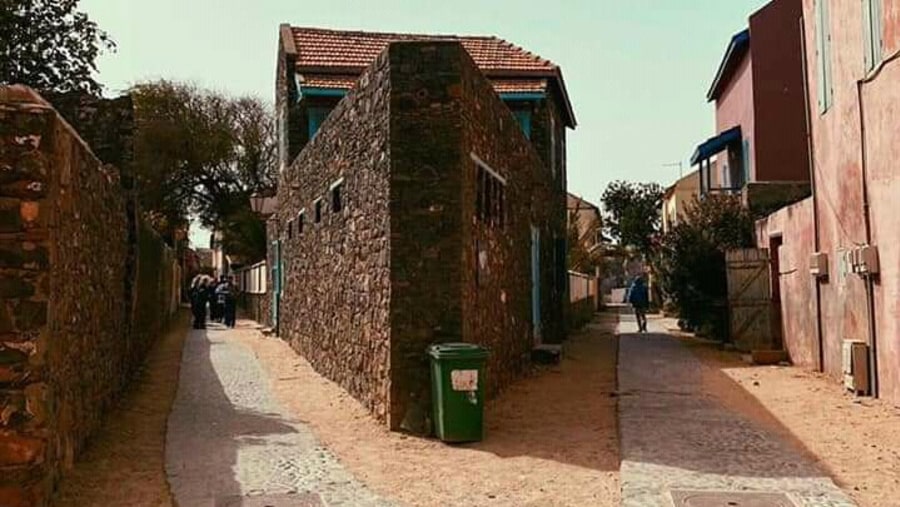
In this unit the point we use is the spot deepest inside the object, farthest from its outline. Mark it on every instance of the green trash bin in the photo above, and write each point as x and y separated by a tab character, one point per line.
457	391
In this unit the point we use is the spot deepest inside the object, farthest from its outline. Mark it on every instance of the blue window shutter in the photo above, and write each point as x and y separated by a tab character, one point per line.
868	47
829	85
746	161
824	90
877	30
317	116
524	117
820	55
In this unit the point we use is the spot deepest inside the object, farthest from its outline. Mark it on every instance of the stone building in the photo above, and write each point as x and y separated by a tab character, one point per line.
422	200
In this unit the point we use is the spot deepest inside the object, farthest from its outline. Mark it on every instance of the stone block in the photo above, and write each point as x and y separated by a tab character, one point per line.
10	217
13	287
23	255
18	450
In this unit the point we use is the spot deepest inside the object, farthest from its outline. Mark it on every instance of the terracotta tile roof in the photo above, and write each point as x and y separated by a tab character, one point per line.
333	59
322	49
344	82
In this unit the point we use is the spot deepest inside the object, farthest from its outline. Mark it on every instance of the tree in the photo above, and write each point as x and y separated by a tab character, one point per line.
691	260
50	46
203	154
633	214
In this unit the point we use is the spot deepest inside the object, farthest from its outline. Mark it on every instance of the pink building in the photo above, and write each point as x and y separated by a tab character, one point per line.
760	119
838	251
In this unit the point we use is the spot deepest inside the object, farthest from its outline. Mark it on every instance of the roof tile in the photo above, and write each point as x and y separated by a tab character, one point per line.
321	49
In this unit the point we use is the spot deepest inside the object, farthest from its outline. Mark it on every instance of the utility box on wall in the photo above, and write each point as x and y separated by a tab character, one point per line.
856	367
818	264
865	260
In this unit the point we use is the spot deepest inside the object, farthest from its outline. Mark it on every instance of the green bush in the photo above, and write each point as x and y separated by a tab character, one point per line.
691	262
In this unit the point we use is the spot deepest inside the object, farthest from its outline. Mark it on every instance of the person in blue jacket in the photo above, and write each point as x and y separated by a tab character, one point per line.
639	297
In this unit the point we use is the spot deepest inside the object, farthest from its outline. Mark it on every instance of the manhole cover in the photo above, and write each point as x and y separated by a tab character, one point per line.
286	500
730	499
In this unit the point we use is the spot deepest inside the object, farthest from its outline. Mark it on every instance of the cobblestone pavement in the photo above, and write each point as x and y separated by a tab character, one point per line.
230	444
674	437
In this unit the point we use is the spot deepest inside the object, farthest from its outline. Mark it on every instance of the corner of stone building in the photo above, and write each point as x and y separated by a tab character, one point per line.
426	149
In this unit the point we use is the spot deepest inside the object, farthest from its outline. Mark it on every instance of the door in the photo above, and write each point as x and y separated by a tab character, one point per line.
276	282
750	299
536	283
775	244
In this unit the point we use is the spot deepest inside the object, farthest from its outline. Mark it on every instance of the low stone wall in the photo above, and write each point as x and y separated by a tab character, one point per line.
256	307
579	313
66	346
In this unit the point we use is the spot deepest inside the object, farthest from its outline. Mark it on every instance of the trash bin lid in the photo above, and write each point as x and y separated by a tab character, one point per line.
457	351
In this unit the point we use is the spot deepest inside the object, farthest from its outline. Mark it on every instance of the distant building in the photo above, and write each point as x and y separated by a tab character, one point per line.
421	200
677	197
586	216
761	135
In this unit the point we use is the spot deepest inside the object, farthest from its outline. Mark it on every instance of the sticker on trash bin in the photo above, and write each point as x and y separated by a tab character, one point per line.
464	380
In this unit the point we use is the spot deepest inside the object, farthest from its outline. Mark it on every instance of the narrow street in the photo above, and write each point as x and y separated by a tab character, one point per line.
229	443
678	439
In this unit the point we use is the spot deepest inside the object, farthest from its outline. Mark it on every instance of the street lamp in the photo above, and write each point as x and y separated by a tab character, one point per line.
257	202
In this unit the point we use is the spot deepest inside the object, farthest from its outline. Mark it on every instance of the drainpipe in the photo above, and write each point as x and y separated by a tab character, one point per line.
870	283
812	183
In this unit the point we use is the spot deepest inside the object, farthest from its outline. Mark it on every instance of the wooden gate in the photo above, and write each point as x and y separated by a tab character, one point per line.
750	306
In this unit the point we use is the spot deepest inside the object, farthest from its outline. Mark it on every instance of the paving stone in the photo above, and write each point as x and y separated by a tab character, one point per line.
229	441
677	438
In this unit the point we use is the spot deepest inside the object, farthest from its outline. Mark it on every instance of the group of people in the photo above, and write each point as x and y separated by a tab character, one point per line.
220	296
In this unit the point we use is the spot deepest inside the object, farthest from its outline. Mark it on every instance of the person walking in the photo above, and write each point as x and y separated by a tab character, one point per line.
639	297
215	310
199	295
227	302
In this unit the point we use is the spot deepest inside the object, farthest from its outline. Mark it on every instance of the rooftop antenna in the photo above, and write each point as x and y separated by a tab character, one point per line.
678	164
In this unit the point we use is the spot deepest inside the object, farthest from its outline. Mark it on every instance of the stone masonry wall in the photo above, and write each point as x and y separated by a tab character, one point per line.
497	287
335	300
63	291
427	164
64	340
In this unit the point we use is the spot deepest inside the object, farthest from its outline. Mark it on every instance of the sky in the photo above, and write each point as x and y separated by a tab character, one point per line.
637	71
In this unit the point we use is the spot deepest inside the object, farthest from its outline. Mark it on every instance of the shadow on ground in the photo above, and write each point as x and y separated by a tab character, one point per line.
207	429
686	423
566	413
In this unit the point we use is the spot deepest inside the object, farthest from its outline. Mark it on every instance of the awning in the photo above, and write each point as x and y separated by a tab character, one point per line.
716	144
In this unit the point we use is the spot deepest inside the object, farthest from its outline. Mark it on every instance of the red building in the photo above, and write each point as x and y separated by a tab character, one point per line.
847	231
760	118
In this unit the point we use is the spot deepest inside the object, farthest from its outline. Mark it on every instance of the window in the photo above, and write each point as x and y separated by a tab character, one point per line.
552	145
301	221
317	116
317	206
872	33
290	229
823	56
337	203
490	198
524	117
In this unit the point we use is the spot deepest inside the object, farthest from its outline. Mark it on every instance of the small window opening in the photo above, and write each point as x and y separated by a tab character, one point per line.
337	203
490	199
301	219
318	210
